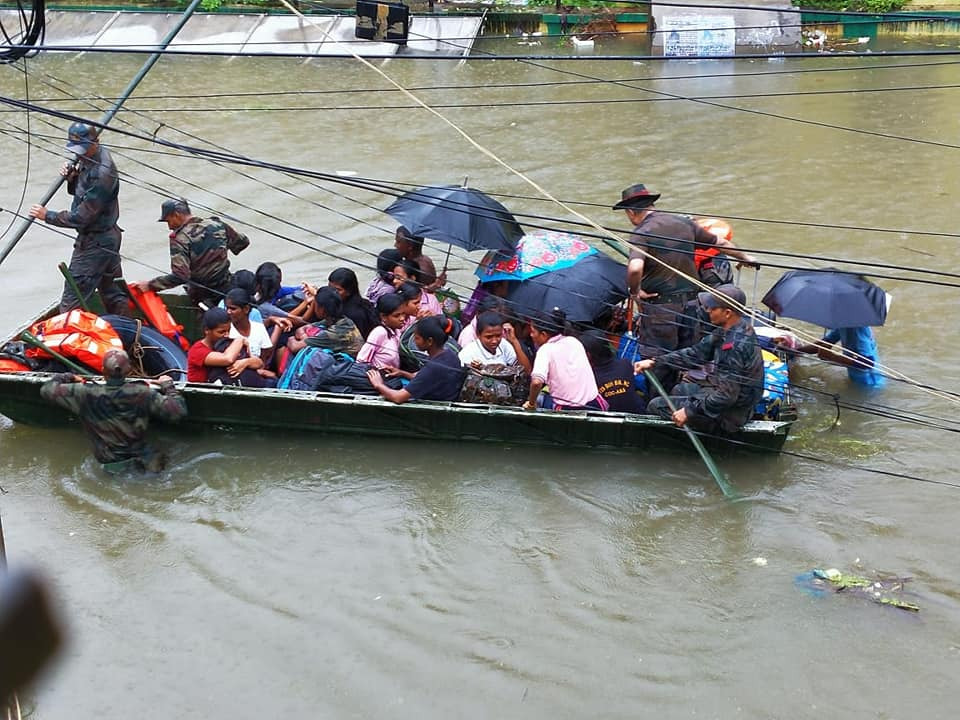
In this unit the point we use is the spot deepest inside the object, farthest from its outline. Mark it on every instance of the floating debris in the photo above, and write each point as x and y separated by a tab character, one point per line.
882	589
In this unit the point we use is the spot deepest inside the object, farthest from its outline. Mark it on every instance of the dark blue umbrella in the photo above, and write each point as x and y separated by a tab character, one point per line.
830	298
457	215
583	291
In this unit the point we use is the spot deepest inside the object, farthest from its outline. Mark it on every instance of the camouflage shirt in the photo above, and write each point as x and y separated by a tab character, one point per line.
736	385
116	414
95	208
198	257
343	336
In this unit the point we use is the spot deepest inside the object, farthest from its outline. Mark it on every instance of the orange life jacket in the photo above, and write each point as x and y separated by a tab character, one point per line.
11	365
153	307
703	256
77	334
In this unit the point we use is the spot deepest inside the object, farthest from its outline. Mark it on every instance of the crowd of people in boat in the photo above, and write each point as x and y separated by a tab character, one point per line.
397	338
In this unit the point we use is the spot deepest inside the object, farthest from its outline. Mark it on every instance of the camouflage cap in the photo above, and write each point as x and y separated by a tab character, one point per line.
173	205
116	364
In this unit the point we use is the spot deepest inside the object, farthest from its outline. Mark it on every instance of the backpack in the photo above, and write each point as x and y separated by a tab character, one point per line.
496	384
314	369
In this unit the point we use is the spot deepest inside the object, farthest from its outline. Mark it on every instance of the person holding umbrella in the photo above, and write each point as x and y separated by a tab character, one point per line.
669	297
846	302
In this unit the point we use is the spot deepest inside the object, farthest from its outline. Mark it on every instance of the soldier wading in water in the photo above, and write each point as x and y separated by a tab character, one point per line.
116	414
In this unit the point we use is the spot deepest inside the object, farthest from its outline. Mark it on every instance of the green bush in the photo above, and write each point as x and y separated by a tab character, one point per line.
871	6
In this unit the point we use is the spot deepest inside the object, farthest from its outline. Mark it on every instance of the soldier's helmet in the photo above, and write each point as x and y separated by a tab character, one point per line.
80	137
116	364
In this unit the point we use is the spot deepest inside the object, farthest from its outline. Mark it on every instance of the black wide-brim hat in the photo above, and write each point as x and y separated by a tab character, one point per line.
636	196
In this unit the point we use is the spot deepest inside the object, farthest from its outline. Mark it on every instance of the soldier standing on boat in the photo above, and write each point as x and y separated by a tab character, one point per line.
116	414
667	298
198	254
95	185
726	401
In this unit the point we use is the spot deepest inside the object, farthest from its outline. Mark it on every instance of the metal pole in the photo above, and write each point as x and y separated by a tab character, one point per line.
105	120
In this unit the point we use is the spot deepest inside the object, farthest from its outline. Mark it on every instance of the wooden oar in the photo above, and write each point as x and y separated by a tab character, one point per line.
72	282
728	491
32	339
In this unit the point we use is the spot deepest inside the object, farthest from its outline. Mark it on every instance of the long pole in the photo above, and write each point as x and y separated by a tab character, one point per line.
705	456
105	120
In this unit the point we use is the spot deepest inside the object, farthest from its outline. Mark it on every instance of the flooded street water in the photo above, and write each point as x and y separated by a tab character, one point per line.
285	575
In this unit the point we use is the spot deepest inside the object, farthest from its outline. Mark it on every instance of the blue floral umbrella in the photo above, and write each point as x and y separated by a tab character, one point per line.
538	252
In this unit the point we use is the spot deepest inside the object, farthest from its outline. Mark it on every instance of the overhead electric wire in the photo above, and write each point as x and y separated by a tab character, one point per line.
499	86
393	189
541	103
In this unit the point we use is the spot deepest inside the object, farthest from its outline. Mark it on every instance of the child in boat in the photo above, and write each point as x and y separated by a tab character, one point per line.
429	305
390	269
382	348
495	344
412	295
614	376
333	331
469	332
439	379
561	363
202	356
355	306
270	287
257	340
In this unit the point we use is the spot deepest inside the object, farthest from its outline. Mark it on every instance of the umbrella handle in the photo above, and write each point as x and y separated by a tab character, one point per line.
753	299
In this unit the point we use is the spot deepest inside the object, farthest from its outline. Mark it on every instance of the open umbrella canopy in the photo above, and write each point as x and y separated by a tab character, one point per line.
830	298
461	216
584	291
537	252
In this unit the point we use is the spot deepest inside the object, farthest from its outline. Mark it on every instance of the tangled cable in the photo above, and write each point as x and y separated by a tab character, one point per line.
32	28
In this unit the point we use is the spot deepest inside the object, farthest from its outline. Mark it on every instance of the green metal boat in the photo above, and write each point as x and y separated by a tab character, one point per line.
213	406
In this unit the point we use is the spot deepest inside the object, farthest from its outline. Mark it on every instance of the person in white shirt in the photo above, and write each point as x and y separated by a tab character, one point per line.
496	343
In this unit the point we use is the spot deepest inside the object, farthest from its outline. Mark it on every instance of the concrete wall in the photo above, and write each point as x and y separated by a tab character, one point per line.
331	35
722	29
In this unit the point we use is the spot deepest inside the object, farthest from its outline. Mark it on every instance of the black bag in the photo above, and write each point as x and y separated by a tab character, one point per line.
496	385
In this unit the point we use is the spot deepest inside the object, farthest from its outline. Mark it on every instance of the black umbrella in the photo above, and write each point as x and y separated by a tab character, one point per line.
458	215
830	298
583	291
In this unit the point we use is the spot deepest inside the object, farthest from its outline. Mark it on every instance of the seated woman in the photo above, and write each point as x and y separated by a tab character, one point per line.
382	348
202	355
429	305
496	344
355	306
271	290
390	273
246	280
439	379
332	332
561	363
258	341
412	295
614	376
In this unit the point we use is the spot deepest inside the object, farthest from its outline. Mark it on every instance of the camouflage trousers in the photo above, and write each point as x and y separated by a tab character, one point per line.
94	265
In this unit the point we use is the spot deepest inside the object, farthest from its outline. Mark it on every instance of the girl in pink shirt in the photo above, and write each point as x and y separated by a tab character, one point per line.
561	363
382	347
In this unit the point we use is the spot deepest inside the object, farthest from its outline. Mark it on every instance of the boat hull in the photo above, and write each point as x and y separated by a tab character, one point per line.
212	406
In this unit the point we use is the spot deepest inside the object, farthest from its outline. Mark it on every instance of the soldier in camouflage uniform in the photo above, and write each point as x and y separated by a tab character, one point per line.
94	183
198	254
734	387
116	414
